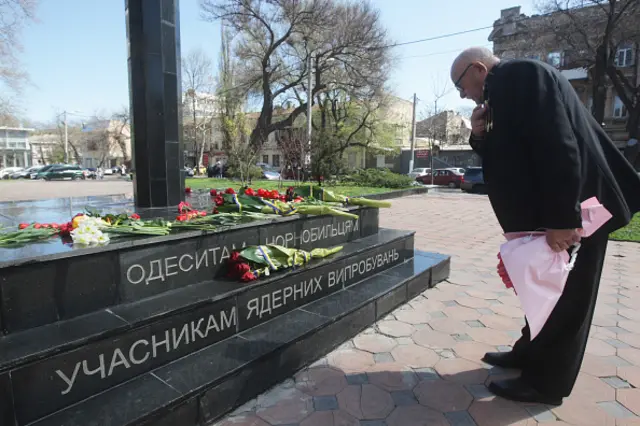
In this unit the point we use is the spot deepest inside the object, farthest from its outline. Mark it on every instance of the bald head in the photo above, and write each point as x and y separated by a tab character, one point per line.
469	71
474	54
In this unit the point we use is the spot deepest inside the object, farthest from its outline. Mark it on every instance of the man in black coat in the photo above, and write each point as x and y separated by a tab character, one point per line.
543	154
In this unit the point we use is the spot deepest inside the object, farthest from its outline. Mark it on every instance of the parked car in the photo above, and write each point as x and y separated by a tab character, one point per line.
442	177
26	173
90	173
270	173
36	175
188	171
420	171
457	170
473	180
107	171
61	172
7	172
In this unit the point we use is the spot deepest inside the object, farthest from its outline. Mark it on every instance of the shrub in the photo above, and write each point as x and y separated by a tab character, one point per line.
255	172
381	178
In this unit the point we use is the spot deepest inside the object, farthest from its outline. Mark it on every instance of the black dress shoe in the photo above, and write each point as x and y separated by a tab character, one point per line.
519	390
502	359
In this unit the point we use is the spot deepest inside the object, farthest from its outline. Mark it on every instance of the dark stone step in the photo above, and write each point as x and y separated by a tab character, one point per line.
203	386
44	283
145	335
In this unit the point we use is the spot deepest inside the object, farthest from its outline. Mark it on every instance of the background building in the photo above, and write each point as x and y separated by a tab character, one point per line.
516	35
15	150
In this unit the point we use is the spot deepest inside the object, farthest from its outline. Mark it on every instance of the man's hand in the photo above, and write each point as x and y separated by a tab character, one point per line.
562	239
477	121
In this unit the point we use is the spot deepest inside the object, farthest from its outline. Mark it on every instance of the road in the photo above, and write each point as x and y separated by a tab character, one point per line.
23	190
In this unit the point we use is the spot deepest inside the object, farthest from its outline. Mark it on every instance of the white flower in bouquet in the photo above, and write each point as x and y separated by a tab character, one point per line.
89	232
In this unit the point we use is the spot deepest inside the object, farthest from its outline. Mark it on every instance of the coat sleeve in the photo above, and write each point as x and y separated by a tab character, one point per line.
555	154
477	144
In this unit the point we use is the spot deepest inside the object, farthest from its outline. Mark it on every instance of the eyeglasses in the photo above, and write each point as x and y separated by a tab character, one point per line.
457	83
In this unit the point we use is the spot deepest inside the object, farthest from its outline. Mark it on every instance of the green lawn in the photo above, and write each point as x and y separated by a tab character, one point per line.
629	233
352	191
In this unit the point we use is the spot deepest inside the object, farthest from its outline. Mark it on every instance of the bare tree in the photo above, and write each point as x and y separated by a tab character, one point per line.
593	30
433	127
121	132
14	15
197	83
275	42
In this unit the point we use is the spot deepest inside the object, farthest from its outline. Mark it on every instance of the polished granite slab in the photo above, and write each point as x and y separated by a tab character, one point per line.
210	382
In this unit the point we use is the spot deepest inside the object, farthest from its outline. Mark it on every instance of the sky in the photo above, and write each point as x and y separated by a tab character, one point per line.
76	54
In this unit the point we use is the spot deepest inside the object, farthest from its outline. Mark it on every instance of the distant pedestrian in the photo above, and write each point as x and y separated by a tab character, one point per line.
100	173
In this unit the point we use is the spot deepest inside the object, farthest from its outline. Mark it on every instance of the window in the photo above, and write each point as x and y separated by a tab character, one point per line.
265	159
276	160
555	59
352	159
624	55
619	110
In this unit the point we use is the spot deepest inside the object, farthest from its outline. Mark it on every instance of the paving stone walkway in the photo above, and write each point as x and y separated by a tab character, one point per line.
421	364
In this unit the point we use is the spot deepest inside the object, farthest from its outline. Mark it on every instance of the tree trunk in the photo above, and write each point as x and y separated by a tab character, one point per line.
599	86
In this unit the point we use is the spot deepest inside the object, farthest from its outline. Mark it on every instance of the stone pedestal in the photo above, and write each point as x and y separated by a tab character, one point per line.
153	32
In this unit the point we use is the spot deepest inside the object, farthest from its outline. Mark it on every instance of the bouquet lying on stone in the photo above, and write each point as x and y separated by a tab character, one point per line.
238	203
317	193
256	261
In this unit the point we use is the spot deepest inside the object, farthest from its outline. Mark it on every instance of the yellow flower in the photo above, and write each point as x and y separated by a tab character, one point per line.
76	221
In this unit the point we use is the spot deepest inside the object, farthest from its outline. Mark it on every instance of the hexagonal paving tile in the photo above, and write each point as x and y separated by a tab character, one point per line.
366	402
350	360
632	339
416	415
426	305
244	420
415	356
321	381
599	348
631	374
498	411
510	300
461	313
461	371
500	322
589	388
443	396
483	294
473	351
290	408
392	377
449	326
374	343
413	316
395	328
433	339
597	366
490	336
630	354
630	398
507	311
582	413
330	418
632	326
472	302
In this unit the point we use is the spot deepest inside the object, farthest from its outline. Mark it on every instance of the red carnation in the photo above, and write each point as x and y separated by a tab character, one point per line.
184	207
213	192
237	270
229	191
219	200
23	225
135	216
250	192
248	276
187	190
215	211
235	257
